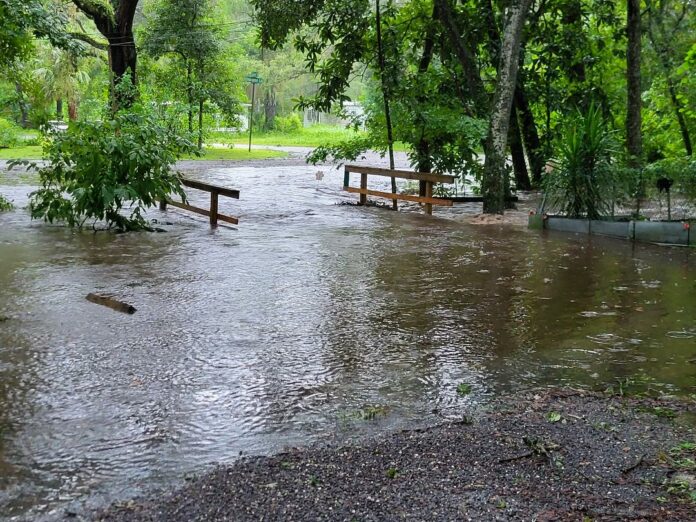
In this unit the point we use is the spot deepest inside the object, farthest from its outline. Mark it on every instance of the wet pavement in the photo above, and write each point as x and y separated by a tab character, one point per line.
298	325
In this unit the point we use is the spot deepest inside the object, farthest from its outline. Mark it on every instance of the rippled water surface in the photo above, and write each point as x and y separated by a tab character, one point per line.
289	328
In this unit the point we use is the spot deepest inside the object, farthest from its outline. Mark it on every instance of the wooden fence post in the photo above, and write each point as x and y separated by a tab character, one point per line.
363	185
429	194
213	208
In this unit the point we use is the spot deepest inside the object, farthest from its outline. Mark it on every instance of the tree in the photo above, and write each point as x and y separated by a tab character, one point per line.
114	20
22	19
62	78
493	186
185	30
664	23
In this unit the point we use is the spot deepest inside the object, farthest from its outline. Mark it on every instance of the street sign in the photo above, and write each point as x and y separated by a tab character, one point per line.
254	78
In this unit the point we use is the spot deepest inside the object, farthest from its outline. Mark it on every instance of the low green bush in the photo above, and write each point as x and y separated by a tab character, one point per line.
9	134
288	124
5	204
109	170
681	171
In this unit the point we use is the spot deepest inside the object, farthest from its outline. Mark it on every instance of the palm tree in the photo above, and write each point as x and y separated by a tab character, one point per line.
62	79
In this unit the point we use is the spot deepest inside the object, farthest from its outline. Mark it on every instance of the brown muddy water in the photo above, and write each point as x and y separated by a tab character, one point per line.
312	321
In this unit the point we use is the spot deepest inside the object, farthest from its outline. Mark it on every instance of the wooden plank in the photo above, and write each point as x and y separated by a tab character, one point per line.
406	197
203	212
207	187
403	174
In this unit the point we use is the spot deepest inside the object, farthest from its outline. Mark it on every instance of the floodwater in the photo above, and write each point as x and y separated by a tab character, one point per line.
299	326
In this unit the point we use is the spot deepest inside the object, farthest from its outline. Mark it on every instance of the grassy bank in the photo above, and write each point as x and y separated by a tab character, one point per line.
24	152
32	152
304	137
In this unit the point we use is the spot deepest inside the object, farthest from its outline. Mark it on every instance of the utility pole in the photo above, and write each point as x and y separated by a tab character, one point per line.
254	79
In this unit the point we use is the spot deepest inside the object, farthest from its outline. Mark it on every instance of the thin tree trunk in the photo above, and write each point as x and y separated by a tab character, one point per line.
530	134
633	107
189	93
423	161
59	109
671	87
72	110
23	109
201	104
493	186
519	164
385	95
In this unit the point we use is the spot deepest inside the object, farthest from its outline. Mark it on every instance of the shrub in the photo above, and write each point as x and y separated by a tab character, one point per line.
9	134
96	169
583	182
682	171
5	205
288	124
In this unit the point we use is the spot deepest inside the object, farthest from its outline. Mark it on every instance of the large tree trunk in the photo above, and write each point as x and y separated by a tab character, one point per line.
269	109
634	143
493	185
118	31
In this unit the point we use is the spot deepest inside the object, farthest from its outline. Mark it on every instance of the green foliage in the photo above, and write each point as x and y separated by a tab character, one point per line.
97	169
681	170
583	182
288	124
553	417
22	19
9	134
464	389
5	204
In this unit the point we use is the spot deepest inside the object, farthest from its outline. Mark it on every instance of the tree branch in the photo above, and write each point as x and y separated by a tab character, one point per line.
102	46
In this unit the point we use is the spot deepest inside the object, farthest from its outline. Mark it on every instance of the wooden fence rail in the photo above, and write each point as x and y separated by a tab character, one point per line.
215	192
427	177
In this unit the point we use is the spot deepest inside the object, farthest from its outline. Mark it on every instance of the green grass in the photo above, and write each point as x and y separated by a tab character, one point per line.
306	137
239	154
34	152
28	152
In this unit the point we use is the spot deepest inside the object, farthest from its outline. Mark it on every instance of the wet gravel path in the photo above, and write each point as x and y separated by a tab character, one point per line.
554	456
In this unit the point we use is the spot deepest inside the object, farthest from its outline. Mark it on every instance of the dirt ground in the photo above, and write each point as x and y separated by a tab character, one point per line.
554	455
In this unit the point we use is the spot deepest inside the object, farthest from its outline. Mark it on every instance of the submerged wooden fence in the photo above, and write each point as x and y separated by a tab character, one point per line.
215	192
428	178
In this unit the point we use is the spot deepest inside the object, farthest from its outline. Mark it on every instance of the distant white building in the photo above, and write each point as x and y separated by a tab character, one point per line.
351	109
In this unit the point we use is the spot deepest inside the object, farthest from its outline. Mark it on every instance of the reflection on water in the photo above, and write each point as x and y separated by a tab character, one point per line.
275	333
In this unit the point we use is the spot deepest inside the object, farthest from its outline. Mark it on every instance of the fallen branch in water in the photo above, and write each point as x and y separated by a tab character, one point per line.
112	303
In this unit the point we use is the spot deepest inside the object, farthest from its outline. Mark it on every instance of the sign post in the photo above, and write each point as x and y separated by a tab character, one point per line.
254	79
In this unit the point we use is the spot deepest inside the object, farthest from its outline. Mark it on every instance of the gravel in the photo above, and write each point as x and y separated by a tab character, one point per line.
561	455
